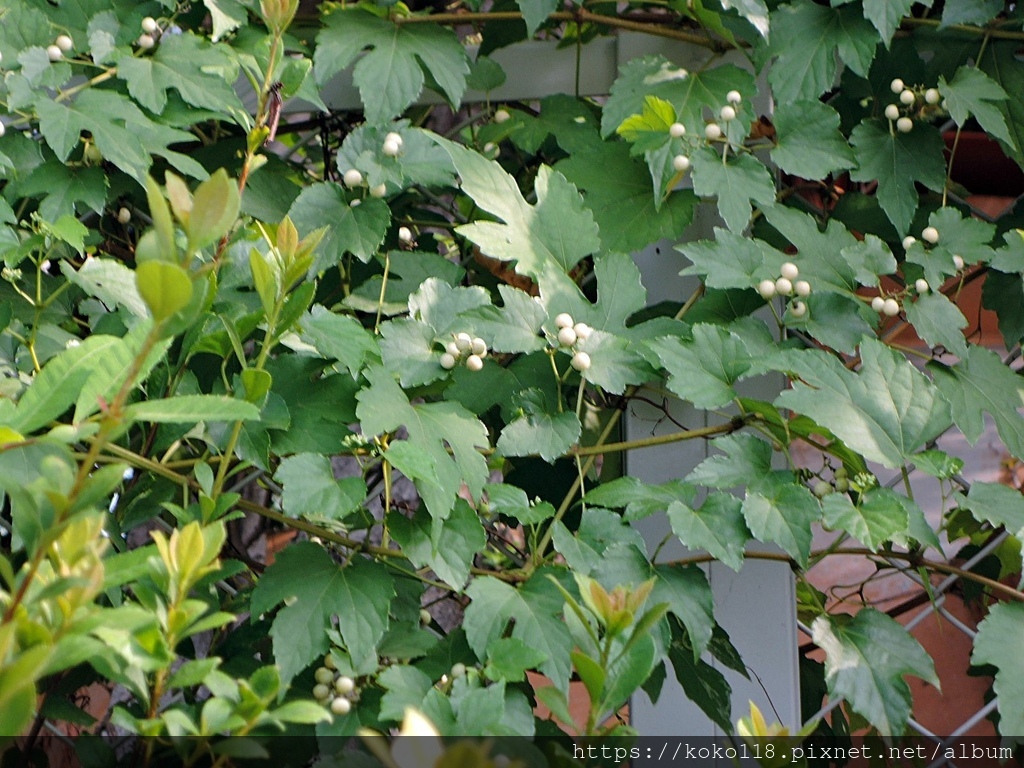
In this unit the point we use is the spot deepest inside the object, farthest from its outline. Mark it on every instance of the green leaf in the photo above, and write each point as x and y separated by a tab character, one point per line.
1000	642
432	428
867	656
716	526
806	38
509	658
190	409
836	321
598	532
938	321
640	499
214	210
686	590
981	383
959	235
513	327
737	184
316	589
165	287
969	11
702	370
358	230
406	687
227	16
536	12
338	337
972	92
997	504
896	161
439	305
1001	65
310	488
754	11
938	464
704	685
545	240
390	75
64	189
108	280
873	521
549	435
816	259
783	513
809	143
407	348
512	501
536	608
732	261
886	15
747	461
885	411
305	712
448	548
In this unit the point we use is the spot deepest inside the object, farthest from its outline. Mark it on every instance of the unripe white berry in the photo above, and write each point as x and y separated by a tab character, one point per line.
352	178
676	130
908	241
146	42
491	149
566	337
458	669
323	675
344	684
727	114
931	96
501	116
921	285
930	235
897	86
784	286
124	216
453	349
379	191
904	125
842	484
890	307
907	97
582	331
877	303
841	472
447	361
822	489
474	363
789	270
425	617
581	361
681	163
464	342
149	25
53	53
355	203
65	43
958	261
892	112
479	347
329	662
341	706
733	97
395	137
321	692
564	320
798	309
404	235
766	288
713	131
391	148
3	128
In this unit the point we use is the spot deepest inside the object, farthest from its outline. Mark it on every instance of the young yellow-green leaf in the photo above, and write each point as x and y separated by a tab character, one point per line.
165	287
717	526
265	279
162	222
1000	642
867	656
649	129
214	210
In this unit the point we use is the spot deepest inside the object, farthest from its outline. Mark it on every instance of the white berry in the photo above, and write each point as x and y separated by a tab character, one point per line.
474	363
890	307
958	261
447	361
379	191
842	484
65	43
149	25
341	706
329	662
458	669
564	320
323	675
582	331
321	691
479	347
425	616
676	130
395	137
3	128
727	113
464	341
892	112
344	684
404	235
908	241
907	97
581	361
904	125
733	97
877	303
681	163
930	235
124	215
391	148
798	309
566	337
501	116
352	178
931	96
146	41
766	288
453	349
789	270
784	286
53	53
802	288
921	285
713	131
897	86
822	489
355	203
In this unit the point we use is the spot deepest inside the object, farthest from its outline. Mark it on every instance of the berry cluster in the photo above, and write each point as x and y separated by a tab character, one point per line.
464	345
63	44
840	484
150	33
352	178
712	131
334	689
911	102
787	285
889	306
570	334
